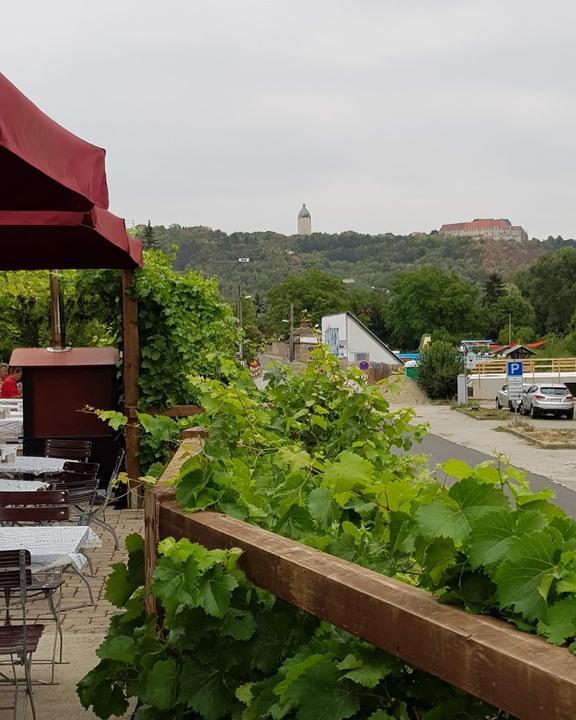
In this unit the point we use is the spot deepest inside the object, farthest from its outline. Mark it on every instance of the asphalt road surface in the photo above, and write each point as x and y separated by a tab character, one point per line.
440	450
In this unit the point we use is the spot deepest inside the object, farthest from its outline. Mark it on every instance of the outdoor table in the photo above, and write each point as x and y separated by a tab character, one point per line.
22	485
10	427
50	546
32	465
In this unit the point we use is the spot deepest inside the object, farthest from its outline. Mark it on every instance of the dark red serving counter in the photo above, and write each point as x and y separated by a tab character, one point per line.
57	386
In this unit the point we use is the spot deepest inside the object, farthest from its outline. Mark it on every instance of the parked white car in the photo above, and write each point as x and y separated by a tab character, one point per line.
502	398
548	399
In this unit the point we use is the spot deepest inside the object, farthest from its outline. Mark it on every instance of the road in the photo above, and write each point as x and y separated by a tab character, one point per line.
440	449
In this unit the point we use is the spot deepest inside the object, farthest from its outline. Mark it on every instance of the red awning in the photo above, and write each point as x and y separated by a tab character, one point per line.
38	240
42	165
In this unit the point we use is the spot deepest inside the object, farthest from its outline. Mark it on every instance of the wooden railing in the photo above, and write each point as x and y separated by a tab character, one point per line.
532	366
516	672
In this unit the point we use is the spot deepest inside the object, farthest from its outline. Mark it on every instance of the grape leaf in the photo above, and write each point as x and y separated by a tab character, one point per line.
202	688
215	590
560	621
349	472
161	684
174	582
321	506
493	533
117	585
98	690
319	694
452	515
457	469
121	648
367	668
238	624
519	578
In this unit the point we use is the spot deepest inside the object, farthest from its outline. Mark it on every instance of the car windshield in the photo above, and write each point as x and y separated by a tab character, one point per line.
555	391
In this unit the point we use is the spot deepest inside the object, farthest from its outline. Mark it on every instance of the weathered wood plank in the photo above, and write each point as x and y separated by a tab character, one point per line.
154	497
177	411
131	359
516	672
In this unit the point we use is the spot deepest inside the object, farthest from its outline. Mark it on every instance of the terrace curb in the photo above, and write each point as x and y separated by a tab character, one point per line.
535	441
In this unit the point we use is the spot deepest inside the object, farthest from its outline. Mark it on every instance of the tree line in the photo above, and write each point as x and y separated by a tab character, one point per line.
539	301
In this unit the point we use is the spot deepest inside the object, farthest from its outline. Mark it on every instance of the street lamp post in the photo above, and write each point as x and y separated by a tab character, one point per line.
241	326
291	342
240	318
291	332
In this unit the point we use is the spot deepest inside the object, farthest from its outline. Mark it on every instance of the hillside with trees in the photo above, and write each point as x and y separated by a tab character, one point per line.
371	260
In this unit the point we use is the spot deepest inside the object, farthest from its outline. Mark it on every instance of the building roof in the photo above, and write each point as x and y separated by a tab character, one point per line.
369	332
478	224
304	212
73	357
517	348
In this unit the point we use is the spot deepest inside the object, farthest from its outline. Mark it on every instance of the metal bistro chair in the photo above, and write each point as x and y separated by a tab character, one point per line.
68	449
103	497
19	642
81	487
22	508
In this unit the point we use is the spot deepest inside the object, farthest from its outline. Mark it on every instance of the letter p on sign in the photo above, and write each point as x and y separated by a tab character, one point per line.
515	368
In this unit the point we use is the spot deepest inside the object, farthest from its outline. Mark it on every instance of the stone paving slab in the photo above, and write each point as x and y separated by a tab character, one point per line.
84	628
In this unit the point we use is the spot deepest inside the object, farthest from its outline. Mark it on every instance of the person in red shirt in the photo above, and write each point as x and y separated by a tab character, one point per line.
10	387
3	373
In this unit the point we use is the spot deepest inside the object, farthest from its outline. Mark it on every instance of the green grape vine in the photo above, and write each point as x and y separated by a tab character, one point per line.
321	458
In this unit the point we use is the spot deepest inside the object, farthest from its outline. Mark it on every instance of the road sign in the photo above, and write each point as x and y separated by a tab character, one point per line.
364	365
515	373
470	360
515	368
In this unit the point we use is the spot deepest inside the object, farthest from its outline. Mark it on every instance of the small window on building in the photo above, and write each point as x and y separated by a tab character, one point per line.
358	357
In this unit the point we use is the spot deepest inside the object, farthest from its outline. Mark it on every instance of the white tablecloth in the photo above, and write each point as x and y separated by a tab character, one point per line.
50	546
10	428
21	485
31	465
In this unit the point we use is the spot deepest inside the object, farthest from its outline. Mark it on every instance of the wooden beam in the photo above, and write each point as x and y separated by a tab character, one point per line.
177	411
514	671
192	444
131	359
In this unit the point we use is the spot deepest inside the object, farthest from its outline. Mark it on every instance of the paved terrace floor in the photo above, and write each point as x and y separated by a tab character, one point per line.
83	628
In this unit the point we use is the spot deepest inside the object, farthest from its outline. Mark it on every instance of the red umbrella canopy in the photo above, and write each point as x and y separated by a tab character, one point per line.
37	240
42	165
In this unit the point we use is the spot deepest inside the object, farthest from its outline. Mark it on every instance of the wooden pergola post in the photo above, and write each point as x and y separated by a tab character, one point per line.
131	365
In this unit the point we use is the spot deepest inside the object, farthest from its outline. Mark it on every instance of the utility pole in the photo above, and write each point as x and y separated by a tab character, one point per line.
240	325
291	317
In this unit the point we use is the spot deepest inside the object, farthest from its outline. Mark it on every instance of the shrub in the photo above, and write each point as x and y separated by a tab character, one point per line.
439	366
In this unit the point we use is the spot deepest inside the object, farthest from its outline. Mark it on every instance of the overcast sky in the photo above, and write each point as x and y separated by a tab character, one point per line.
382	115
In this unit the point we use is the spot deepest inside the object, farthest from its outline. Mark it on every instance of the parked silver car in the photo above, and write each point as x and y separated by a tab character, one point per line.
502	398
548	399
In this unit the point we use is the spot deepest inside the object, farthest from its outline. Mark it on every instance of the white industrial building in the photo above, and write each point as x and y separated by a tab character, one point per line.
350	340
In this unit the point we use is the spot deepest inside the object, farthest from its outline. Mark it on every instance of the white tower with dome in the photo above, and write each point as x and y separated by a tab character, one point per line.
304	221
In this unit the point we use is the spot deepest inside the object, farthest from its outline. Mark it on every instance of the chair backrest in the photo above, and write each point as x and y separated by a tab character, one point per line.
81	487
68	449
86	468
15	569
34	507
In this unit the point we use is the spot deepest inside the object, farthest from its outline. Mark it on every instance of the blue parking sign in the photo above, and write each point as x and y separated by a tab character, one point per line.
515	368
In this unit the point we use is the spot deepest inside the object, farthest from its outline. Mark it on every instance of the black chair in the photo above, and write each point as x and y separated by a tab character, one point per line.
19	642
104	498
87	468
68	449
